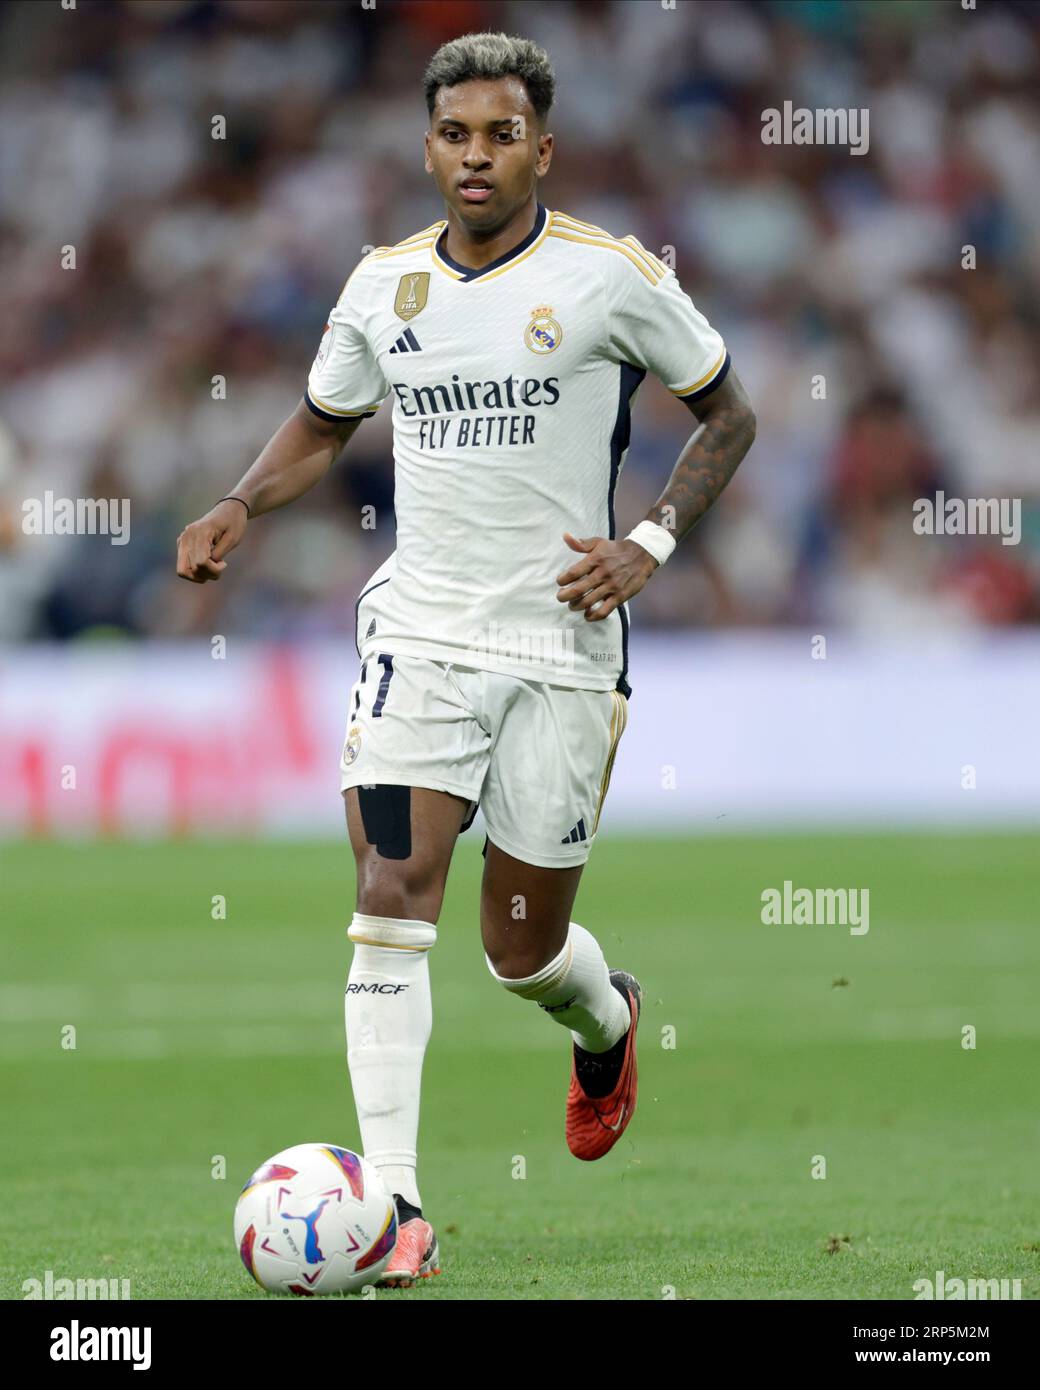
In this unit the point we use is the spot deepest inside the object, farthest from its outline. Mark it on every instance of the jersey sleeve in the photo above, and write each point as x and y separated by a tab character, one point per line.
655	325
345	380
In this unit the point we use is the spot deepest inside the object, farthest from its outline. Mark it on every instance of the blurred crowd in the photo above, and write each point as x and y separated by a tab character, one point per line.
885	362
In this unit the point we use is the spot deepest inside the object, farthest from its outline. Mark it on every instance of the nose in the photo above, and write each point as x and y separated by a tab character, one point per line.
476	156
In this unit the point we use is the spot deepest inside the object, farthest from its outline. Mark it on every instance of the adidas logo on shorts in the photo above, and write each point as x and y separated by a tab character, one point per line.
576	835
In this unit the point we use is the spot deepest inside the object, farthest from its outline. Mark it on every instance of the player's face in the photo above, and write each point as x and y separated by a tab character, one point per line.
484	150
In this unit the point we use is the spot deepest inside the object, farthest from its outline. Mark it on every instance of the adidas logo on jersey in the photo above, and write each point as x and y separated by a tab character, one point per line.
577	834
407	342
371	629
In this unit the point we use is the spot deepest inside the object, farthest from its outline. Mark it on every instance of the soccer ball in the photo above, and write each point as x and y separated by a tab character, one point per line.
315	1219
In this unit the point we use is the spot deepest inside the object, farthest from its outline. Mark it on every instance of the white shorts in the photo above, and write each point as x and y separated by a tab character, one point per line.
537	757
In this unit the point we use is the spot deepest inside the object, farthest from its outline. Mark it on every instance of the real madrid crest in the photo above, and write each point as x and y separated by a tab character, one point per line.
352	745
412	292
543	334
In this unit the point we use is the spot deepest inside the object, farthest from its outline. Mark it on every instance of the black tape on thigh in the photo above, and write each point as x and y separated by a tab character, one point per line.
386	813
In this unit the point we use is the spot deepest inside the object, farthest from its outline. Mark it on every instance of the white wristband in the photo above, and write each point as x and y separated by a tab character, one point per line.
653	538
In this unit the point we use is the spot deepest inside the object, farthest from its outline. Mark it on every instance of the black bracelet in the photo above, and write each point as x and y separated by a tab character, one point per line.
237	499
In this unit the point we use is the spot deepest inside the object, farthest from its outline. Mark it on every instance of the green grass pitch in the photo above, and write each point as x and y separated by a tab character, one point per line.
198	1038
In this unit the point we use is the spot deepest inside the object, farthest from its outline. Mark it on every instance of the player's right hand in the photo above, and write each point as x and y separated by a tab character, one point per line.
201	547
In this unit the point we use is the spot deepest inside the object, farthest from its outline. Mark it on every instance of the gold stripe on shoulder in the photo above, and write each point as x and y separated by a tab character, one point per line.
382	253
622	250
434	229
655	261
385	252
377	253
656	265
581	226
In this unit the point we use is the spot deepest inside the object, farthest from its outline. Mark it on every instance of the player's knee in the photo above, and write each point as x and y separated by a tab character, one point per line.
514	963
409	890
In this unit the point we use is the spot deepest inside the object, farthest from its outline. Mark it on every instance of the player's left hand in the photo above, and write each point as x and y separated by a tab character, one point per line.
606	576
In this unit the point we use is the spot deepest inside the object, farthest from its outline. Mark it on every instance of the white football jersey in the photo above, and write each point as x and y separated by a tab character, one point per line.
512	389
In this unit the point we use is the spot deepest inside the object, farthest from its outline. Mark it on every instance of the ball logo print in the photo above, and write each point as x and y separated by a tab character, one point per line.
312	1250
349	1222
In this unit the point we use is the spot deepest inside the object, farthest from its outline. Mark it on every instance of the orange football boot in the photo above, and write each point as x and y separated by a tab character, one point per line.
416	1256
596	1123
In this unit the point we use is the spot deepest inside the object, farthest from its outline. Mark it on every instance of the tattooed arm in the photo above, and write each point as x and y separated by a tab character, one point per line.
710	459
610	572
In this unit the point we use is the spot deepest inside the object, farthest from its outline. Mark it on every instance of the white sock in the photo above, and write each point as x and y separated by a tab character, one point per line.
389	1016
575	990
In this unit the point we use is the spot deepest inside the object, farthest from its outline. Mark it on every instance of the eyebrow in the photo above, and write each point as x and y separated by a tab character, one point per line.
452	120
